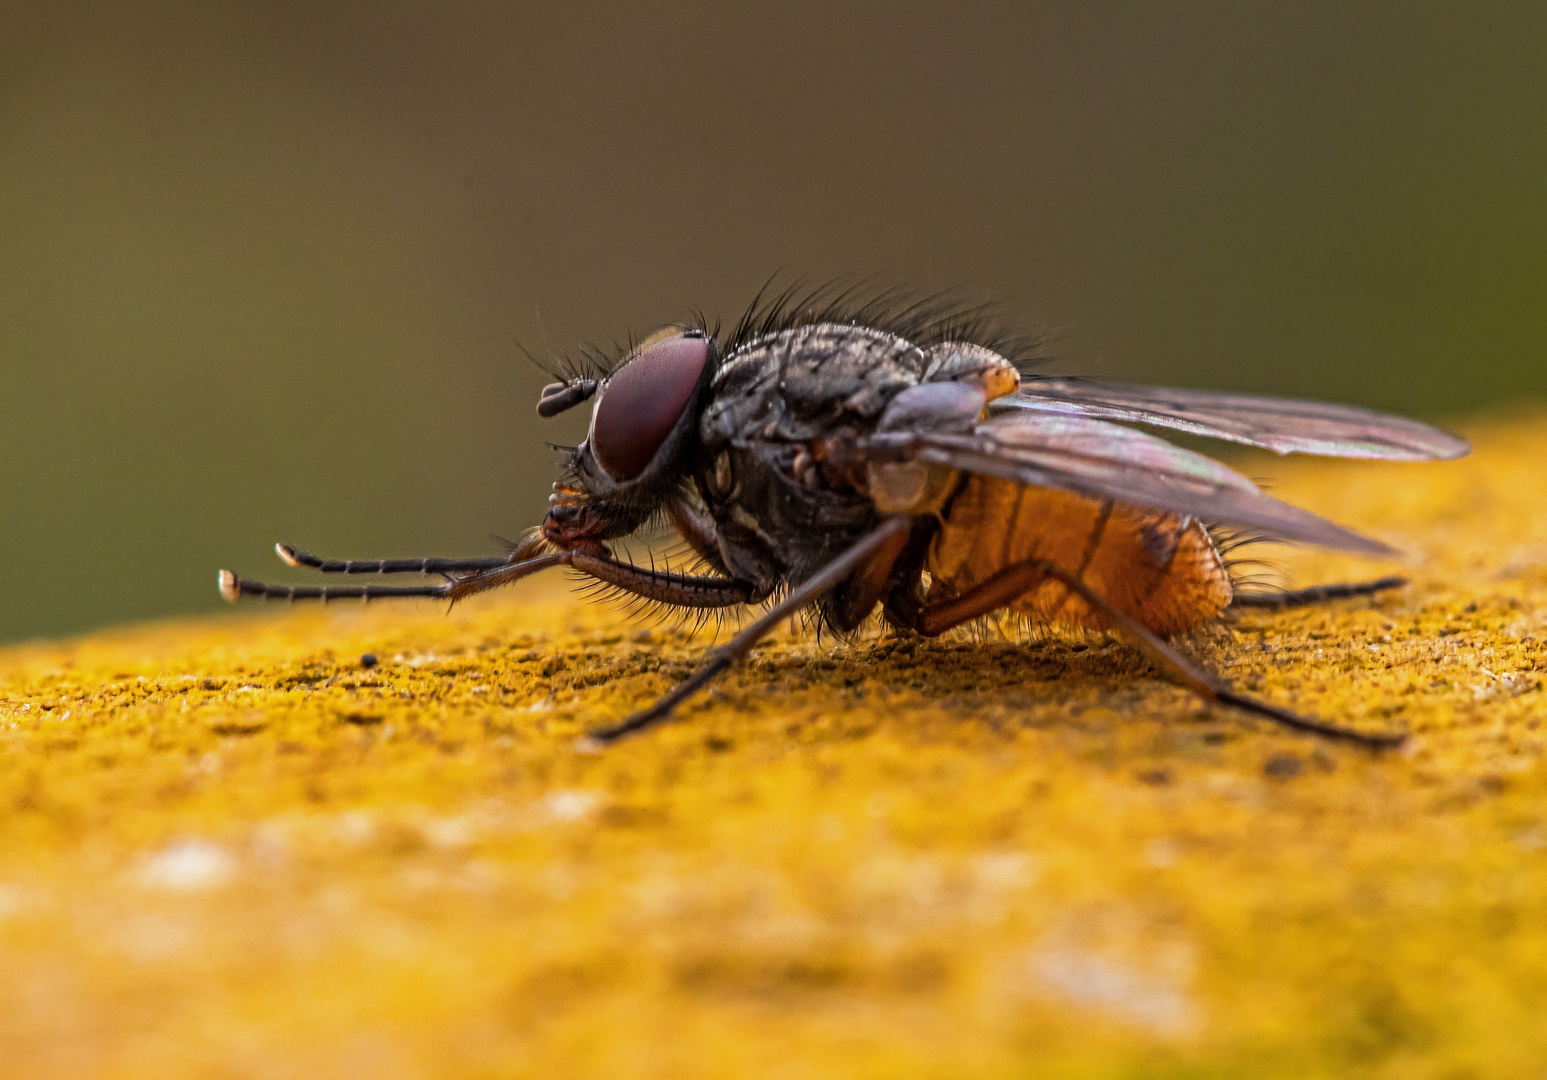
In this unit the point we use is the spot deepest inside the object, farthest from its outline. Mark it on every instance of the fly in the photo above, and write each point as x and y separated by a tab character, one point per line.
841	456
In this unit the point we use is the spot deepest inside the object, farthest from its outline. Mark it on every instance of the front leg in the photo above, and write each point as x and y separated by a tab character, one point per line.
684	590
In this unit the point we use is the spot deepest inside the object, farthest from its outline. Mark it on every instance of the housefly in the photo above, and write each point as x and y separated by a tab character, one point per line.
848	456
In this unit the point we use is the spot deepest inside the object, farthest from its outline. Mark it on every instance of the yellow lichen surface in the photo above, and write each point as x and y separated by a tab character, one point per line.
228	849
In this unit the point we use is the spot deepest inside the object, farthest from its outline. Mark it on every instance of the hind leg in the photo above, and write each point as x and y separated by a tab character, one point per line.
1000	589
1316	594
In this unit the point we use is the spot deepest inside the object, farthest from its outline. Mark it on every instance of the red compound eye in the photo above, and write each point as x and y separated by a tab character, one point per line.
642	403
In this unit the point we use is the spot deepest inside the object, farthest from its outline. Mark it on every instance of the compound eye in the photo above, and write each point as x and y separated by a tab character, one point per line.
640	405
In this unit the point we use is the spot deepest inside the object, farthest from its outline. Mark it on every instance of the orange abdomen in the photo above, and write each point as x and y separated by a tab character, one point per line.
1159	568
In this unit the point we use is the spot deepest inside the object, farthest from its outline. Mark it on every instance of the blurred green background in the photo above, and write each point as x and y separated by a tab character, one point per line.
265	266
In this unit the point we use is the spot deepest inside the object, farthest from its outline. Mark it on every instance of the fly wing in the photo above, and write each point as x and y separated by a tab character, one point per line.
1283	425
1109	461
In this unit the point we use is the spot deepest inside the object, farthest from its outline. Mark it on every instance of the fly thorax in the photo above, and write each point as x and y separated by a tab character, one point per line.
961	362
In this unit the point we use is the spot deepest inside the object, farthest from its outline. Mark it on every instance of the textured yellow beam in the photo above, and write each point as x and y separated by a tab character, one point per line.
229	849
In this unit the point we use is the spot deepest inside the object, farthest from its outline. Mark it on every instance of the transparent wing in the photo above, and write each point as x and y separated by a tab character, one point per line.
1283	425
1109	461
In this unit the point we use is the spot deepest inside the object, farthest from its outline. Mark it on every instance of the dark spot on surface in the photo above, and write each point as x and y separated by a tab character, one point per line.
630	817
1283	766
361	719
249	725
1155	777
717	744
369	660
921	972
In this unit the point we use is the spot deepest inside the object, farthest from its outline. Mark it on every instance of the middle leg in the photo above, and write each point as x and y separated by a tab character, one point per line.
886	536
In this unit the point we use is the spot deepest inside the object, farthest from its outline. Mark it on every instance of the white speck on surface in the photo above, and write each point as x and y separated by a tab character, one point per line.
453	832
355	828
1153	1000
569	805
187	865
998	879
1005	870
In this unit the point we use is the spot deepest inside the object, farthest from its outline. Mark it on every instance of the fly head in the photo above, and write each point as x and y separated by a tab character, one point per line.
643	426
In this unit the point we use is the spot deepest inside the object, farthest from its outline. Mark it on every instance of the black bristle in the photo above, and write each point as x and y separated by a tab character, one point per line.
924	319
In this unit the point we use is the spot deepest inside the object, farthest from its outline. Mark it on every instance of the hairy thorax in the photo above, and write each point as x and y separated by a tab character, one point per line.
780	505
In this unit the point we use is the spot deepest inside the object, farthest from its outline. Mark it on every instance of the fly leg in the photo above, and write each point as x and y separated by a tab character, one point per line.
502	572
391	566
1316	594
701	592
991	594
1004	586
830	576
524	556
852	601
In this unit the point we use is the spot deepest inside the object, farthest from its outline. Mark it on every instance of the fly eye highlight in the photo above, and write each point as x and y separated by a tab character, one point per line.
638	407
